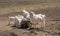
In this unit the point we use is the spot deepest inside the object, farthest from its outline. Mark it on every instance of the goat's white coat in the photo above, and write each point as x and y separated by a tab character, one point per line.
19	20
16	20
38	16
26	14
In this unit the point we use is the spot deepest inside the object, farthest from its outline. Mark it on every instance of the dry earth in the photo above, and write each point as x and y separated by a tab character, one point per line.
50	8
52	27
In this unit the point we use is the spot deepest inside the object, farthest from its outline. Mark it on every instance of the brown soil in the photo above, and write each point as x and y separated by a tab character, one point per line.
52	27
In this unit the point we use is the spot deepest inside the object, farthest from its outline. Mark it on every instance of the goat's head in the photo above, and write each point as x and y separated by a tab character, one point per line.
43	15
24	11
32	13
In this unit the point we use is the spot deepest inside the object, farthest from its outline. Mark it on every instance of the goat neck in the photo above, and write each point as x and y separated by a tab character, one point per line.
33	13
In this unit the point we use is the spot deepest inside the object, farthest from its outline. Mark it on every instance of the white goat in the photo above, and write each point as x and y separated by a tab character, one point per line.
18	20
38	16
26	14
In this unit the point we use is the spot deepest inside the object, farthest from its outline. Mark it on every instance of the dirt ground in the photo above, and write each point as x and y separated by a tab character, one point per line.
50	8
52	27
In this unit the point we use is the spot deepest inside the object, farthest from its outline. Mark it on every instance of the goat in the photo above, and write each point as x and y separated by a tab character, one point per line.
26	14
18	20
38	16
